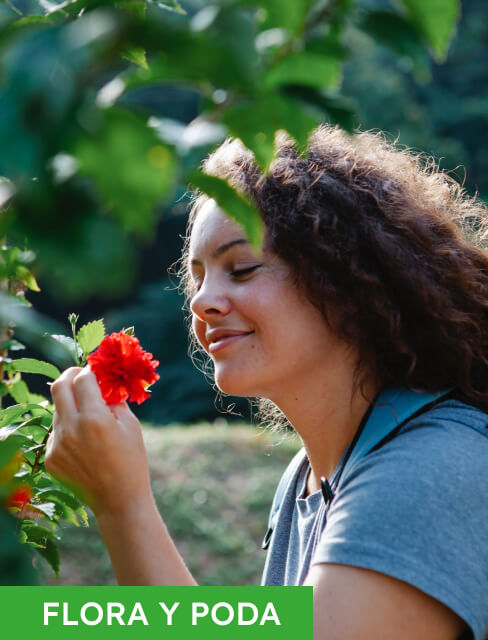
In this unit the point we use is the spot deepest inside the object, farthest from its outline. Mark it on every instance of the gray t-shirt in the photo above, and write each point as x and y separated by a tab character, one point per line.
415	509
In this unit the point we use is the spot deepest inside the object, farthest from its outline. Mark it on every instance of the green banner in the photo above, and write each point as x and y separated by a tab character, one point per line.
150	612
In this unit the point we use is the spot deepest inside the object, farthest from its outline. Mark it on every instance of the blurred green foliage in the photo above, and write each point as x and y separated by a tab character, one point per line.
87	164
445	114
107	115
16	567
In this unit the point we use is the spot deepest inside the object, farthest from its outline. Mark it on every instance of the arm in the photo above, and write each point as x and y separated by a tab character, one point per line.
357	604
140	547
100	450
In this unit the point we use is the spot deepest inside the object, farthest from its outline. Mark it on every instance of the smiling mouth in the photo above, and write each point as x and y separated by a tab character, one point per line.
221	343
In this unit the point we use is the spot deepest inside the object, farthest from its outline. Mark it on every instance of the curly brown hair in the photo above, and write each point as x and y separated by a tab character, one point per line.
387	241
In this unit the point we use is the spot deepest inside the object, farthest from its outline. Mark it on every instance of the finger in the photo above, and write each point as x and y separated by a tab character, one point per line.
87	391
122	413
62	394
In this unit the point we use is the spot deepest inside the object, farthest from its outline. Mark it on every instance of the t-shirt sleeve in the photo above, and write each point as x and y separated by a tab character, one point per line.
417	509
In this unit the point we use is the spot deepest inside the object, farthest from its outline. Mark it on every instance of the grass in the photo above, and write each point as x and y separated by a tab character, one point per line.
213	484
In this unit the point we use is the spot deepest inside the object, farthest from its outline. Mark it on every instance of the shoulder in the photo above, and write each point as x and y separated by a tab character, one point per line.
448	441
416	509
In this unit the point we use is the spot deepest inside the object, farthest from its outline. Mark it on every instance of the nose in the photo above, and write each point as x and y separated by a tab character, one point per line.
210	301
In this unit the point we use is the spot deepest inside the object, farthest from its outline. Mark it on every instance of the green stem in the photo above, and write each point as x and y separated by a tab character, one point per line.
41	451
75	339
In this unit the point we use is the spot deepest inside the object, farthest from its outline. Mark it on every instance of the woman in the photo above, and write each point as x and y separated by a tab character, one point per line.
363	282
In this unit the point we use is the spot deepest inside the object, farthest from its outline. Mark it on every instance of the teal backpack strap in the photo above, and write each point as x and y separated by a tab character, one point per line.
283	485
393	407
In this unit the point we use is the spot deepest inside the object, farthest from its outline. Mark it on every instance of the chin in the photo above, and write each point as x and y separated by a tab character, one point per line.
236	384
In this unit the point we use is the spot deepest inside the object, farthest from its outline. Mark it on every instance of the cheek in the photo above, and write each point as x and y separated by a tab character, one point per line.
199	331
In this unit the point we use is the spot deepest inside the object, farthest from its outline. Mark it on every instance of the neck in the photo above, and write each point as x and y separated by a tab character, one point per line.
326	410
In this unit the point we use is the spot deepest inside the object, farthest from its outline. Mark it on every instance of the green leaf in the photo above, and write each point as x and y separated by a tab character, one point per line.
30	365
137	8
11	414
289	15
69	344
12	345
255	122
66	500
51	554
436	20
333	108
90	335
33	428
20	392
304	68
37	398
8	448
398	34
47	508
25	275
200	59
16	412
233	203
132	169
169	5
28	21
137	55
37	533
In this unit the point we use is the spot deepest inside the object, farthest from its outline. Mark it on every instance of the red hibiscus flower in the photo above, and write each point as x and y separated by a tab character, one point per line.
123	369
20	496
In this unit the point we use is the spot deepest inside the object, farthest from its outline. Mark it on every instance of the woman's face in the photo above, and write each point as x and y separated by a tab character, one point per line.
259	329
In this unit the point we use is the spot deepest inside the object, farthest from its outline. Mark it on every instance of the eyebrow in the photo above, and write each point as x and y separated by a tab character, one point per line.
222	249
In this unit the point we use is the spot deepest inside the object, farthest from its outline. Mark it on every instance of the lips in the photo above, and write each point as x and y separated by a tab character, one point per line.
220	338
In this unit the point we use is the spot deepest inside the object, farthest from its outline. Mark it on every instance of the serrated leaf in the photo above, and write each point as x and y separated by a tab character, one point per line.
90	335
436	20
233	203
31	365
304	68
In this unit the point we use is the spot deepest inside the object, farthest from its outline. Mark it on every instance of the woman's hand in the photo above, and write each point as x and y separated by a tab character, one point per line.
95	447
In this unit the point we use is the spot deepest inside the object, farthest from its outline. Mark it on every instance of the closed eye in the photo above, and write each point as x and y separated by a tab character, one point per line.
238	273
